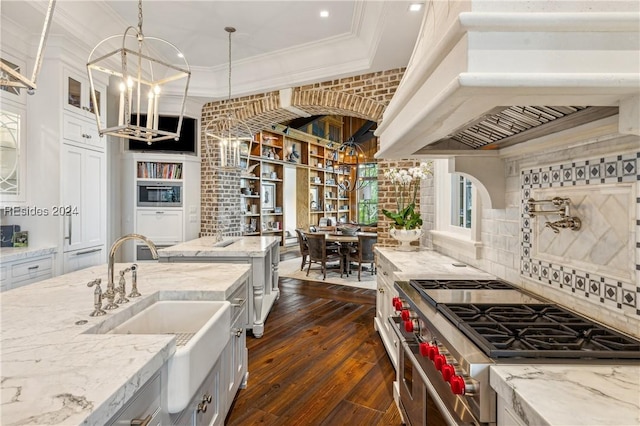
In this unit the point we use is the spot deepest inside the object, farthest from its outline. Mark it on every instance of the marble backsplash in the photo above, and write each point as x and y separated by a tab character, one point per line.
605	242
598	265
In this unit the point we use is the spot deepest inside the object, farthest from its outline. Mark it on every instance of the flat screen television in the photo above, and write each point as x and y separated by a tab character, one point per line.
186	144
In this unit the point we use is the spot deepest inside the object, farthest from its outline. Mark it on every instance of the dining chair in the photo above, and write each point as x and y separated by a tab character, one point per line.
320	253
304	247
363	253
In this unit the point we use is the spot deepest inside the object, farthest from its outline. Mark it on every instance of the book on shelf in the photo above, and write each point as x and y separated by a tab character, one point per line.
153	170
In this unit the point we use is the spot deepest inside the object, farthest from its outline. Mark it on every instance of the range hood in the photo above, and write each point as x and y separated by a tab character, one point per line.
485	76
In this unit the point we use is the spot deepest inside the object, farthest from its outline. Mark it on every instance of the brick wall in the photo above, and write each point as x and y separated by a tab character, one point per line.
365	96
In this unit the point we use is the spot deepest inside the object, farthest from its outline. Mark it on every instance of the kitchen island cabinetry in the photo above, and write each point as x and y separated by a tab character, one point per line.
75	363
262	253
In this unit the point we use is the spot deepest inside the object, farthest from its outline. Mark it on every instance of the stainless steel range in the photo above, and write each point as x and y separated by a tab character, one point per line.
452	331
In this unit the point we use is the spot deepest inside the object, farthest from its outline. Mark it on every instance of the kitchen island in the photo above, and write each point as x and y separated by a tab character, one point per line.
262	253
57	371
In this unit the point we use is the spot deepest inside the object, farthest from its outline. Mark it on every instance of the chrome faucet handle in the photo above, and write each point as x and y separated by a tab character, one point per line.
134	281
122	287
110	295
97	298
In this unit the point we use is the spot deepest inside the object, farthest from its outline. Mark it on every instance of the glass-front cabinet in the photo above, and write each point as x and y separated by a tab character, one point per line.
78	98
12	153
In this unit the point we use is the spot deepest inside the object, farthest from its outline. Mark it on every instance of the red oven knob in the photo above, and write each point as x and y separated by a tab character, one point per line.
432	352
398	305
457	385
448	371
424	349
440	361
394	301
410	326
405	315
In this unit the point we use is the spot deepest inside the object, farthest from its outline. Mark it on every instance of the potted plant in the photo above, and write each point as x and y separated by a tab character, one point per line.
406	221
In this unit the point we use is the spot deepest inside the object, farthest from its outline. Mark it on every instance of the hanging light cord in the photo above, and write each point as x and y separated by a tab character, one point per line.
230	30
140	35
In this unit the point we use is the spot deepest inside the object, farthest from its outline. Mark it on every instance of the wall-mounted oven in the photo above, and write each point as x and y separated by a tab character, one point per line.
159	194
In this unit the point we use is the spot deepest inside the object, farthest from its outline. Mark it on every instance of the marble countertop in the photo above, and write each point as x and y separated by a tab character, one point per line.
55	372
569	395
204	247
428	264
10	254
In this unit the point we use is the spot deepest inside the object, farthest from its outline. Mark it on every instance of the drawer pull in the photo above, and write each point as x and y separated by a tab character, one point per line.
202	407
142	422
238	303
80	253
159	212
31	268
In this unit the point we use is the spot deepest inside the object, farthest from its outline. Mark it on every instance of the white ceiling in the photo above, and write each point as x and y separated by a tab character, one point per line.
278	44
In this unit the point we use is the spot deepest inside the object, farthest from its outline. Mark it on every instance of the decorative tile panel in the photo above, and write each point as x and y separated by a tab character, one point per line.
600	262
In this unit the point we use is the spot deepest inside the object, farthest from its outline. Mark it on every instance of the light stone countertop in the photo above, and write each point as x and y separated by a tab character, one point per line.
53	373
549	394
428	264
570	395
204	247
10	254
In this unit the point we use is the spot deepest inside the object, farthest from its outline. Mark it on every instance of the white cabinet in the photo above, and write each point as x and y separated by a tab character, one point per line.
386	292
78	100
160	225
25	271
82	132
145	407
507	416
160	200
235	355
83	196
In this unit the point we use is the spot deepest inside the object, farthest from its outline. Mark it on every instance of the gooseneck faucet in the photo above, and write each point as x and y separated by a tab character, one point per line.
110	292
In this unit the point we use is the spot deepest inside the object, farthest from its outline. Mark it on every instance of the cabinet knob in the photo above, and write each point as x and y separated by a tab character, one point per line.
202	407
207	398
381	290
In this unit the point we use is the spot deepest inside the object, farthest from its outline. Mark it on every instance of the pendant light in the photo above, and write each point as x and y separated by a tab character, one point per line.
143	82
230	136
11	77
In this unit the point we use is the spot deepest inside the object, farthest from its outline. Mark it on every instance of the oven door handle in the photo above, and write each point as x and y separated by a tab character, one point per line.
451	418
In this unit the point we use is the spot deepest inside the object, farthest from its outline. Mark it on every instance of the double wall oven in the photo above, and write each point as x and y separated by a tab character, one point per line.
452	331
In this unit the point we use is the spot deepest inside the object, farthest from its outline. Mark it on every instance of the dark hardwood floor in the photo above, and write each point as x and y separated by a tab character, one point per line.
320	361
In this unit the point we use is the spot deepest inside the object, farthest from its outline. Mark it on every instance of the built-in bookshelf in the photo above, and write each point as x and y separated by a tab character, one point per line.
159	170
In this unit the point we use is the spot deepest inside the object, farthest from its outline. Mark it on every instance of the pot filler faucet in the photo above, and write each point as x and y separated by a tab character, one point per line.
110	292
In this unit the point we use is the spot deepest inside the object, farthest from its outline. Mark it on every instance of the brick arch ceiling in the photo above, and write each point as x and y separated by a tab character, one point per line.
364	96
261	114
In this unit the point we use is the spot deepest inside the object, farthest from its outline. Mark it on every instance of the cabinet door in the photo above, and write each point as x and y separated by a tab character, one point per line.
84	194
77	90
160	226
82	132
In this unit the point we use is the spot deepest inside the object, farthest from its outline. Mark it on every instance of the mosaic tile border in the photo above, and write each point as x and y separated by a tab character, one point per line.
620	295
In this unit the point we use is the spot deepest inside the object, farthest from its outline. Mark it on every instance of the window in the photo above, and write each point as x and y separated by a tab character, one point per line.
457	224
461	201
367	194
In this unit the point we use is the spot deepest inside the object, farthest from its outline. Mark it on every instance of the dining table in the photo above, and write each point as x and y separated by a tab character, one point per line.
345	240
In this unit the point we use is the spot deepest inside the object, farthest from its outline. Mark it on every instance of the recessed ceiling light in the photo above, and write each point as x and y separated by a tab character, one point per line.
415	7
180	55
324	13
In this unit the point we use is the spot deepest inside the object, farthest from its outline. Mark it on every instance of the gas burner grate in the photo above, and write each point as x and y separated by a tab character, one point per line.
538	331
460	285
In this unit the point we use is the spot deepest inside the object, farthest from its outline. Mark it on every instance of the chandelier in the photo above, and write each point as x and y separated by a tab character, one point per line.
11	76
143	81
232	135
